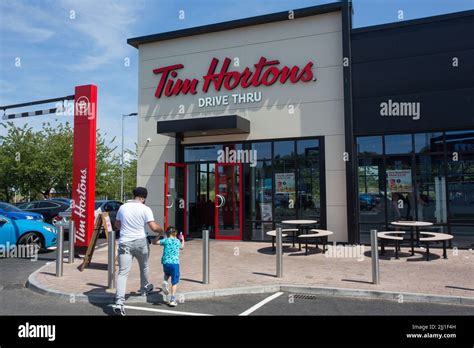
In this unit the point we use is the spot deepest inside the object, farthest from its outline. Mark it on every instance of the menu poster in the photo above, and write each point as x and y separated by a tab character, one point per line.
266	211
285	182
399	180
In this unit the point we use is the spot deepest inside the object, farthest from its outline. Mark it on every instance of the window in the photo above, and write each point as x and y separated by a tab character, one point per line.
109	207
429	142
396	144
369	145
423	176
284	150
48	205
460	141
283	183
264	150
262	183
307	148
371	190
29	205
201	153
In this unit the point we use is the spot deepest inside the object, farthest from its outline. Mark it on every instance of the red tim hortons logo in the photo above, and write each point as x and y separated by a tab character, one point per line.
265	72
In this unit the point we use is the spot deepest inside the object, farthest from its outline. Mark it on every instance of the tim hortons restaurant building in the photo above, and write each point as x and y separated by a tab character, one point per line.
295	115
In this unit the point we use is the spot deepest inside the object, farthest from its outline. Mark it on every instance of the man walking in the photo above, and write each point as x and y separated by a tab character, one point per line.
131	220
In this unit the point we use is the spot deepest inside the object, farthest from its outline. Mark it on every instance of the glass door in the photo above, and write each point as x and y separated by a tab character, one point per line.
228	201
175	196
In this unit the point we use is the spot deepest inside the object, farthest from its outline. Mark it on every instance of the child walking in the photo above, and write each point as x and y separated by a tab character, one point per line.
170	260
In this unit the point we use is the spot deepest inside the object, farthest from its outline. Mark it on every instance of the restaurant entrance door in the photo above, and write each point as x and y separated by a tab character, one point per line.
214	200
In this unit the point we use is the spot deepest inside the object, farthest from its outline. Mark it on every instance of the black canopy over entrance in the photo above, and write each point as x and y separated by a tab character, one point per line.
214	125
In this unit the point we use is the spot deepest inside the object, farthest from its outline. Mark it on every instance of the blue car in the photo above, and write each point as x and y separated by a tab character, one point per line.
26	232
16	213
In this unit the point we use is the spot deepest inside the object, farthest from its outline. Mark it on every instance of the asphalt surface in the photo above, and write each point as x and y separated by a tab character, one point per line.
16	299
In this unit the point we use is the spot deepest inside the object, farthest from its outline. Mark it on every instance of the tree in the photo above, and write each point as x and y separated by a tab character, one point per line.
130	172
34	163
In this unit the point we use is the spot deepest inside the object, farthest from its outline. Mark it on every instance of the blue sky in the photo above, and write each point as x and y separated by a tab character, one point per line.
59	49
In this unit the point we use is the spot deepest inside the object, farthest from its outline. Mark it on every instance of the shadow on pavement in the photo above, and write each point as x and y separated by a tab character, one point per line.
356	281
191	280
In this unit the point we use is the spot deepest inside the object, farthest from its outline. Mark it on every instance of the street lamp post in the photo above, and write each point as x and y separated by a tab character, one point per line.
121	163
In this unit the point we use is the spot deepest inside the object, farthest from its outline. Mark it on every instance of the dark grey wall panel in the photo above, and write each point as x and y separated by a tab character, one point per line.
413	74
412	62
404	41
439	110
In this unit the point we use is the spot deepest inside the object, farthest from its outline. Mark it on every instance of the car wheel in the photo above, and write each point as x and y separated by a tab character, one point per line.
32	239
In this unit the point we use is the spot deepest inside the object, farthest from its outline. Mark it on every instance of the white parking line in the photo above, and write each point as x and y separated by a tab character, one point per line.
165	311
261	303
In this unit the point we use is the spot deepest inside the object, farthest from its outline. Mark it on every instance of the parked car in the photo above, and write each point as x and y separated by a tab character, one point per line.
49	209
368	201
16	213
108	206
63	200
27	232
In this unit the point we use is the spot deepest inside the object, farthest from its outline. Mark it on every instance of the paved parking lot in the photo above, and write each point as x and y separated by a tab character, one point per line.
15	299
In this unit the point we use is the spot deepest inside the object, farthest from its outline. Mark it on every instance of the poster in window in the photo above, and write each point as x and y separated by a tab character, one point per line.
399	180
285	182
266	211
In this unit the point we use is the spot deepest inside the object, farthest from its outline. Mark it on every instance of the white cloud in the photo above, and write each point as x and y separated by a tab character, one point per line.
105	26
26	20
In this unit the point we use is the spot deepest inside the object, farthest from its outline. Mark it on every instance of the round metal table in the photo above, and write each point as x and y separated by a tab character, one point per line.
414	226
299	224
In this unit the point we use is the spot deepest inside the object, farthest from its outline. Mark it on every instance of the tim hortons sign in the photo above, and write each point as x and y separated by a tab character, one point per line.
265	72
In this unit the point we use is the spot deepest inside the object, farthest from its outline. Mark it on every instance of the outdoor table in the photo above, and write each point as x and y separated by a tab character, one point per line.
299	225
414	225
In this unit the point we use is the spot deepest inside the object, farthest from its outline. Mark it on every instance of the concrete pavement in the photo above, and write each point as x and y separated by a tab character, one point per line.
246	267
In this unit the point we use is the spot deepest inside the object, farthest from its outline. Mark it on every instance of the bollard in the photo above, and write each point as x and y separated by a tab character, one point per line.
72	235
205	256
279	253
375	257
59	251
111	261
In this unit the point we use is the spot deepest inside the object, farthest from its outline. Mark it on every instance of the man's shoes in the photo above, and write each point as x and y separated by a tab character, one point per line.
119	310
173	302
166	288
148	289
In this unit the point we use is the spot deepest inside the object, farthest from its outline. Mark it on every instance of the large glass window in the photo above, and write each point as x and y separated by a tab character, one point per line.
283	183
422	176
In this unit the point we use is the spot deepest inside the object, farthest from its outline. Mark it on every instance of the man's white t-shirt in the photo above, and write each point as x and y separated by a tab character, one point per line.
133	217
